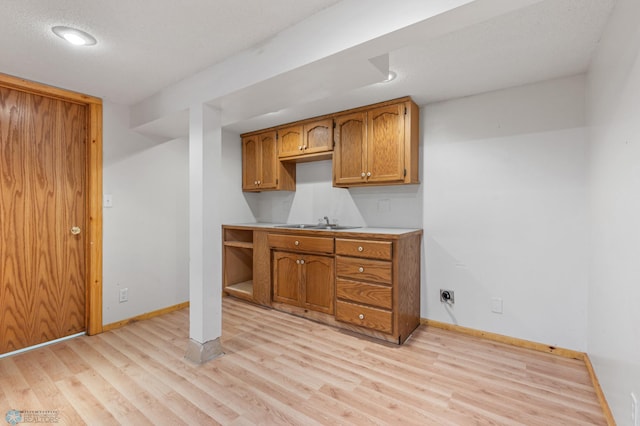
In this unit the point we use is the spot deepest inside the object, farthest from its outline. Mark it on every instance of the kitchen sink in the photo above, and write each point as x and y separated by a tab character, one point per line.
317	226
297	226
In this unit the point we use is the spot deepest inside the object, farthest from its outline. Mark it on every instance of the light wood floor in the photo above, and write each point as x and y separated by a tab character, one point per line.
279	369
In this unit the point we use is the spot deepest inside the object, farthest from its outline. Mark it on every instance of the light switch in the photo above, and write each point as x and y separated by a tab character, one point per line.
107	201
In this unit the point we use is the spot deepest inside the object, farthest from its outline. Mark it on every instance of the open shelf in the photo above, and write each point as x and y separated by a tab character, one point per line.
245	287
240	244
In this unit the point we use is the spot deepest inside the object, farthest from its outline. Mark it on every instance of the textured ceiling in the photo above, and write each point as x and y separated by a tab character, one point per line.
143	45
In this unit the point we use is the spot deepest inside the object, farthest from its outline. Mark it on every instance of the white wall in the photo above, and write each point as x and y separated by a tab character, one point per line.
315	197
145	233
505	211
614	287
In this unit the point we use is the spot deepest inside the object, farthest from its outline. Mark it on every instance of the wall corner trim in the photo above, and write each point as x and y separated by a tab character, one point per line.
145	316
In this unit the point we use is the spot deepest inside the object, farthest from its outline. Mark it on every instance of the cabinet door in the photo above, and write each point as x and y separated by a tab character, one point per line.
286	277
268	161
250	162
350	152
318	136
318	283
385	144
290	142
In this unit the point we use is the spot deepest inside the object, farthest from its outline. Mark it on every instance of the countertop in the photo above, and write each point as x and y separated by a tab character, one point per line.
363	230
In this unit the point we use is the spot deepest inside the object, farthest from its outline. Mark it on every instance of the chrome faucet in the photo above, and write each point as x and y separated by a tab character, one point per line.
326	219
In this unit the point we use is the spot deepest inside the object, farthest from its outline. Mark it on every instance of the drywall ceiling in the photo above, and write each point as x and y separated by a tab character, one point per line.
146	45
143	45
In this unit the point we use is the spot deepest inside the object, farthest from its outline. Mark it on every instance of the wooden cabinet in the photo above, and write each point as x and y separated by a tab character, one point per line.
377	146
309	141
261	170
378	285
304	280
245	264
368	283
303	277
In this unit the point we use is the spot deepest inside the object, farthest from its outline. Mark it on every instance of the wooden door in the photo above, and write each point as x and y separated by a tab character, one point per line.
42	198
318	283
250	162
268	161
350	151
385	144
286	277
290	142
318	136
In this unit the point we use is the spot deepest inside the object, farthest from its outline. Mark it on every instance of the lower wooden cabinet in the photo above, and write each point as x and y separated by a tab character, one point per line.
367	283
304	280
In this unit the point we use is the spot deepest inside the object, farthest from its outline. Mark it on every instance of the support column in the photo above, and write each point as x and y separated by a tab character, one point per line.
205	293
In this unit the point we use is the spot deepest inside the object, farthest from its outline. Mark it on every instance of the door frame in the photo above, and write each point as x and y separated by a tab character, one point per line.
93	175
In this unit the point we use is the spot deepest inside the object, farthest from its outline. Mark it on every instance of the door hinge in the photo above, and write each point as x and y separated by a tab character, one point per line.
334	124
277	135
405	110
405	172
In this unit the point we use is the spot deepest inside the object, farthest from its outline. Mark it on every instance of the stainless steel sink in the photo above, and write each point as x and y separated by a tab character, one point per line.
298	226
332	227
318	226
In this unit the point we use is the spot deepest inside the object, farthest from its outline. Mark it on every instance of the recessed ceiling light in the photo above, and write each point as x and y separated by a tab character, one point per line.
74	36
392	76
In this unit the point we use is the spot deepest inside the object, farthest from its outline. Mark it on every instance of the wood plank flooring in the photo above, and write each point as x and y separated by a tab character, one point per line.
280	369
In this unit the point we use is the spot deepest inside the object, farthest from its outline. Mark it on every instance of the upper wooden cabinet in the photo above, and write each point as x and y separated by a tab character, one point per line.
261	170
370	145
306	141
377	146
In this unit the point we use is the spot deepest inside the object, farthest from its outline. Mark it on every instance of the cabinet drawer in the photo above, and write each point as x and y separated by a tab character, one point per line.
364	269
369	294
364	248
364	316
301	243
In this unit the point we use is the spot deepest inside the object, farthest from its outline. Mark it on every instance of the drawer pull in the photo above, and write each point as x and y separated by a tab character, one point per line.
297	243
361	269
360	248
361	316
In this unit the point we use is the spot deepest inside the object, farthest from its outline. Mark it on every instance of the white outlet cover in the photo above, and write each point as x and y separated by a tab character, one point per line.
496	305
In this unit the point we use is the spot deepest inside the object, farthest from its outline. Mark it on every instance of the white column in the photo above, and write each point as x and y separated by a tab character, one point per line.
205	293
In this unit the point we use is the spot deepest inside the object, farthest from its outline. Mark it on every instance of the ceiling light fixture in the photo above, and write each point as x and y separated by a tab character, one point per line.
74	36
392	76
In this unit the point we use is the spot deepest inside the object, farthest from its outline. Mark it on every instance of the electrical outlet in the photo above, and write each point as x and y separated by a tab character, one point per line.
124	295
635	410
446	296
496	305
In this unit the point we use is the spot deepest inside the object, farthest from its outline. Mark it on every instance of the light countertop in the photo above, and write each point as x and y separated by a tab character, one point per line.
363	230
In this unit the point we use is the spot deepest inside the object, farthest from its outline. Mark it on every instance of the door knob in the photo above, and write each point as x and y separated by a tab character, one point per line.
75	230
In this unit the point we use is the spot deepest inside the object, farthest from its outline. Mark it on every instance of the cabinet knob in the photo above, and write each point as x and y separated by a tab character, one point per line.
259	182
300	148
75	230
360	248
362	174
298	261
296	242
368	174
302	261
361	316
361	269
255	182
